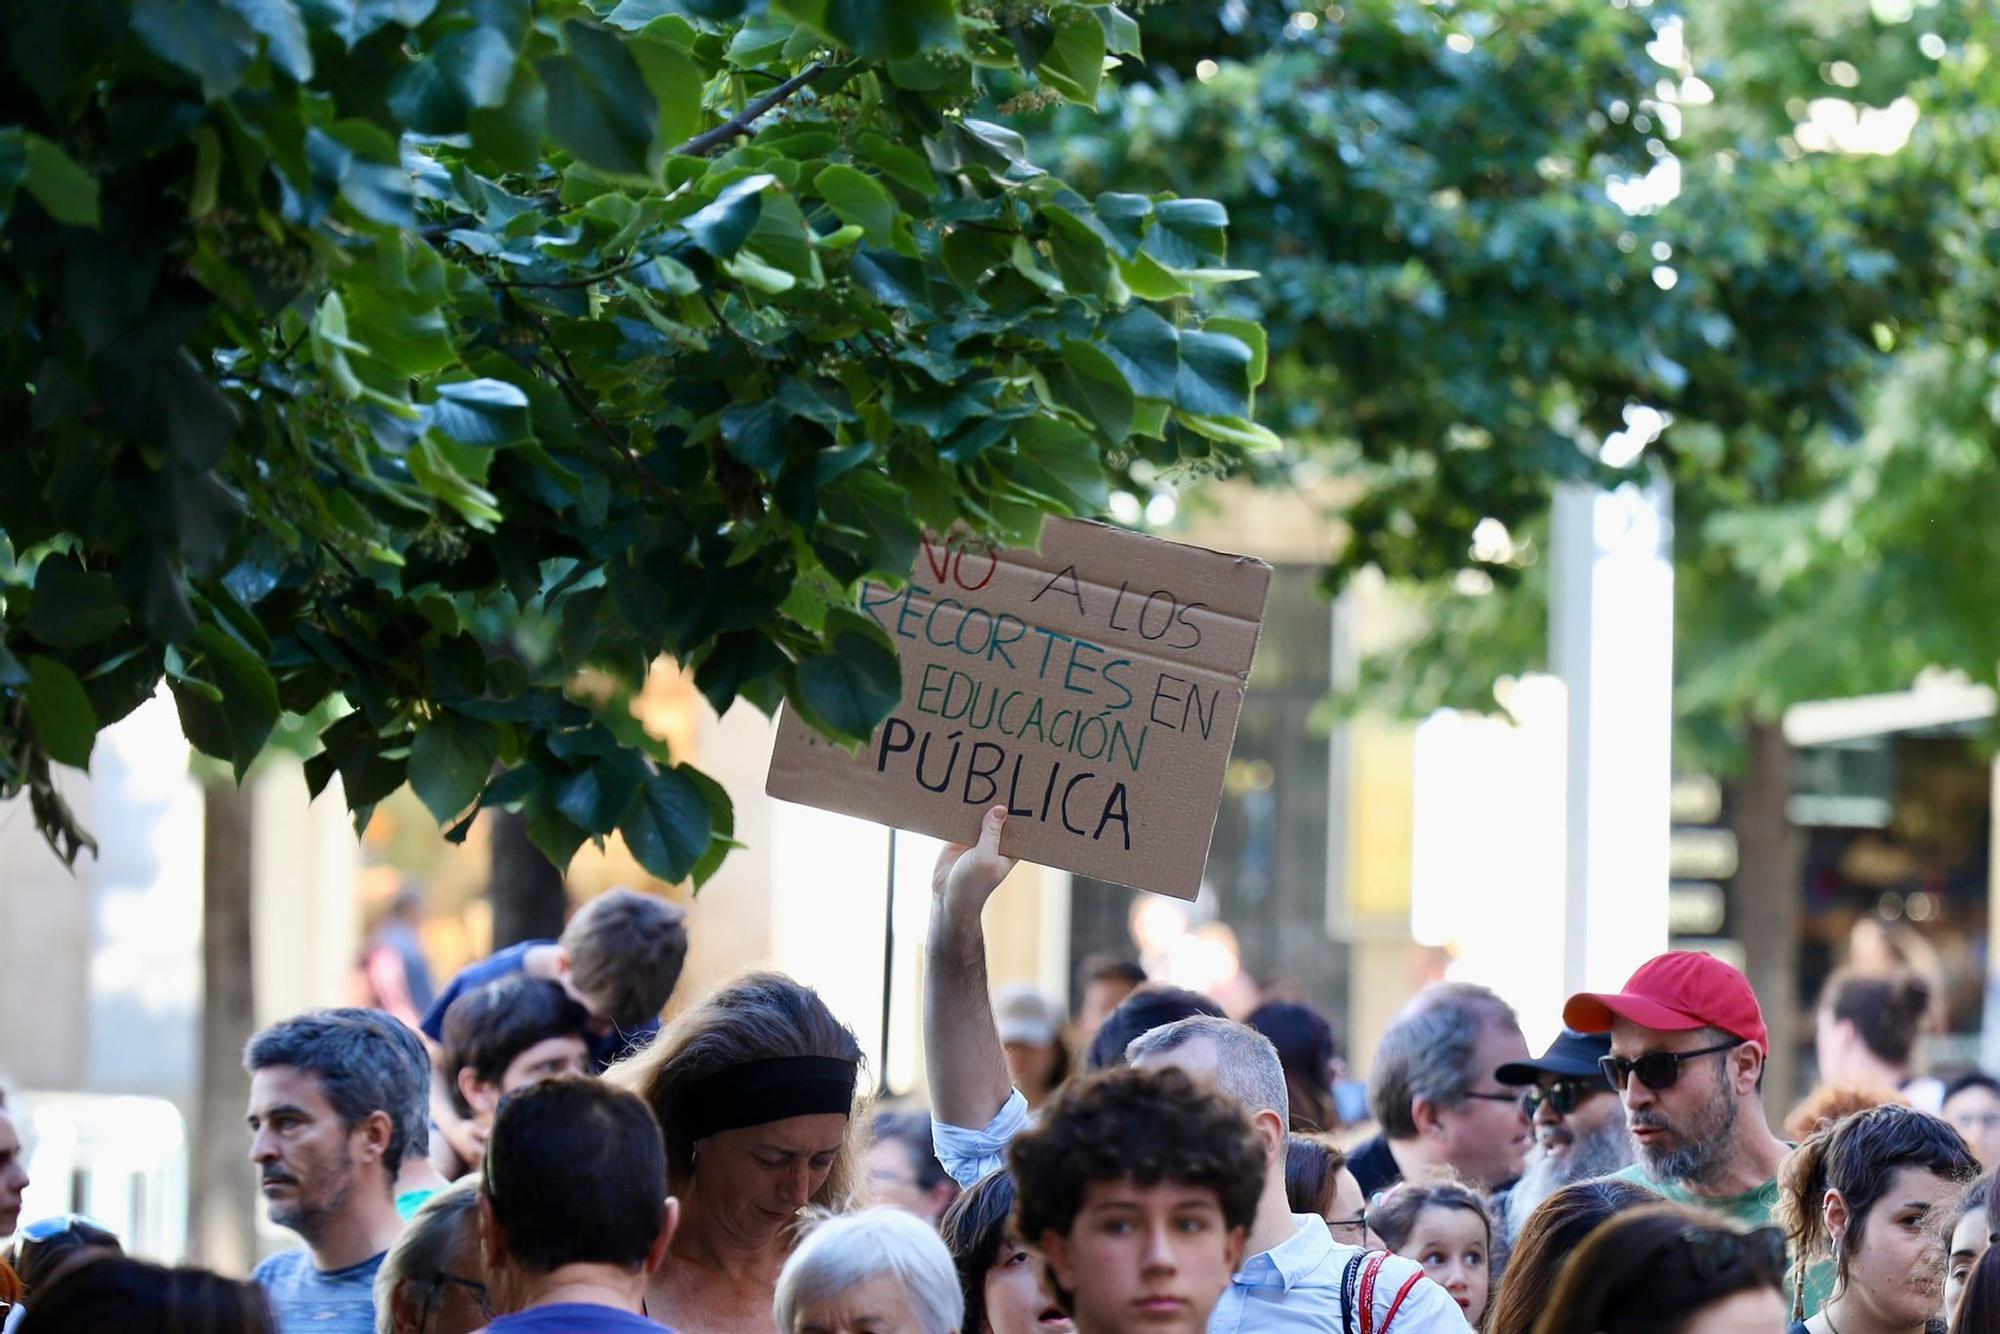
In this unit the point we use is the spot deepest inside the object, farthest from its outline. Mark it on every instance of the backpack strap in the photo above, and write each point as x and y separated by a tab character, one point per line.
1401	1293
1369	1273
1347	1289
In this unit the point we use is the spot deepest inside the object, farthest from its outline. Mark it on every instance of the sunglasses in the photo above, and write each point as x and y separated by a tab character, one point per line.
1564	1096
78	1227
1657	1070
444	1280
1714	1253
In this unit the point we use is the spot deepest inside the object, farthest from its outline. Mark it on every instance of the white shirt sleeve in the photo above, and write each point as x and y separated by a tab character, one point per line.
969	1155
1429	1309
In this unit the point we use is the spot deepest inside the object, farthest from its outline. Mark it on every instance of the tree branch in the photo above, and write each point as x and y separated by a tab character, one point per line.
585	281
710	140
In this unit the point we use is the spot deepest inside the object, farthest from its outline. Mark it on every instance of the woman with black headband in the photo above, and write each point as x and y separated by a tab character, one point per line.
755	1090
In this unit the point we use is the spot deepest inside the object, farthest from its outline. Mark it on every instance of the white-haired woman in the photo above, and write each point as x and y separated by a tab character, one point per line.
431	1281
881	1269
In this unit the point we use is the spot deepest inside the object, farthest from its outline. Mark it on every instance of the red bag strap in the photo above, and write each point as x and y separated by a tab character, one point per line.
1401	1293
1369	1274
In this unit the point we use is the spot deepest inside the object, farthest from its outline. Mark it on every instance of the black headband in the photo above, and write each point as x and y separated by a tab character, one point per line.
761	1092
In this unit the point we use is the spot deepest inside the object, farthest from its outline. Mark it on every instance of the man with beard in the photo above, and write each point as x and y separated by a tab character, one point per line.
1579	1123
337	1099
1688	1045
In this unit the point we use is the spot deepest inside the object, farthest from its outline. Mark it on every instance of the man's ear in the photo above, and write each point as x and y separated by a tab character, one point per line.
1239	1241
1271	1129
1746	1063
670	1222
492	1236
376	1130
1425	1113
480	1096
1054	1247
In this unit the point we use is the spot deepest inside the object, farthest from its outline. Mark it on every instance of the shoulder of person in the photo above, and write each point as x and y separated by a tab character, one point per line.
282	1267
1426	1309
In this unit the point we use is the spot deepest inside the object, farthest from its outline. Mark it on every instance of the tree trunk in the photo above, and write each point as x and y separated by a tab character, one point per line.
1767	892
222	1192
527	892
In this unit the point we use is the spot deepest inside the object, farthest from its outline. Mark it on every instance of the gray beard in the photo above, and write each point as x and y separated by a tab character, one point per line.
1598	1155
1704	1147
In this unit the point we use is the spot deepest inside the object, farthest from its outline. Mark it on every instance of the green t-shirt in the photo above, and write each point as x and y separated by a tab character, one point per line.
410	1201
1753	1209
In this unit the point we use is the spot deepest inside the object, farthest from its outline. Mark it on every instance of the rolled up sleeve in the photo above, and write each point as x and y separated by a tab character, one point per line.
969	1155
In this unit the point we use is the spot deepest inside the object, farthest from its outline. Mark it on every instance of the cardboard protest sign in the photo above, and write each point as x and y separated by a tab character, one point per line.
1093	686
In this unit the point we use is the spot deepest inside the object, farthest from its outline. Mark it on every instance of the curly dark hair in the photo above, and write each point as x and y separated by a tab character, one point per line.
1145	1126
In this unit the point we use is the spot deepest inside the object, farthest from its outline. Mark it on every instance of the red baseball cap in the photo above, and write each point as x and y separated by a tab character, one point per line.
1673	993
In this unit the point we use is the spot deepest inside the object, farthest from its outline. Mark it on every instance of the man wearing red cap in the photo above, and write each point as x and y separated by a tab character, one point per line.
1688	1046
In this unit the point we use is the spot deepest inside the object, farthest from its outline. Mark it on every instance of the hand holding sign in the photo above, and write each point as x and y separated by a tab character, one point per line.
1090	688
969	875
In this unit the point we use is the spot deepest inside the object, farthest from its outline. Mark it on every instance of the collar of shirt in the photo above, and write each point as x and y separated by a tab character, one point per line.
1299	1257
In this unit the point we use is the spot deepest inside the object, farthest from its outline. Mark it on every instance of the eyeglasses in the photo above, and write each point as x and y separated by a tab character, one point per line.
1563	1095
1349	1231
1492	1097
1657	1070
1714	1252
444	1280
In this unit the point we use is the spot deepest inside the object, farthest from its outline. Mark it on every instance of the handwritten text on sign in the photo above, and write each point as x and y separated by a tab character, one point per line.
1093	686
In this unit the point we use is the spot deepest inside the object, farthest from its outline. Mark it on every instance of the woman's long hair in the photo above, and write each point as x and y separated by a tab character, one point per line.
123	1296
1552	1234
755	1017
1648	1269
974	1229
1979	1305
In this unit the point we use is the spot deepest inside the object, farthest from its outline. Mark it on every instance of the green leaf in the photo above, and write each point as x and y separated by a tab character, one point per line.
1081	257
872	505
1232	430
676	85
236	726
66	191
597	799
1214	379
722	226
600	108
511	133
1146	348
202	37
1074	63
353	20
755	433
1062	465
1121	30
481	412
852	686
450	761
1089	382
61	712
284	28
859	198
669	829
881	29
1187	233
73	608
904	166
1252	335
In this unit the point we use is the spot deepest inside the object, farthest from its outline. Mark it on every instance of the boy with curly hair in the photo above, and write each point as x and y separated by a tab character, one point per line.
1139	1187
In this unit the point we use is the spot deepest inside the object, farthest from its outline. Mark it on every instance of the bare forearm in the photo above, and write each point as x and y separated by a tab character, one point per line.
967	1068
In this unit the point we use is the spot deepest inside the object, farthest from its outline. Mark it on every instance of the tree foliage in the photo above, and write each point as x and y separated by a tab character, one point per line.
412	365
1465	288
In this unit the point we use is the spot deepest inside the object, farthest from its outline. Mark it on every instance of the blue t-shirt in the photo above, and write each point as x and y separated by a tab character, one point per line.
308	1300
574	1318
604	1049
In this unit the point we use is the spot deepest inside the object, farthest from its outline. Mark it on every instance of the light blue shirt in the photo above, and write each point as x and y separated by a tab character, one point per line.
1293	1286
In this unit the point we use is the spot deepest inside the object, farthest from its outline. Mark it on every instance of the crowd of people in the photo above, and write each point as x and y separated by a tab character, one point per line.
532	1153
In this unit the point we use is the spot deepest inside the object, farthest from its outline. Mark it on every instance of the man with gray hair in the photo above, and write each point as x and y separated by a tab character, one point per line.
337	1102
1295	1275
1434	1093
